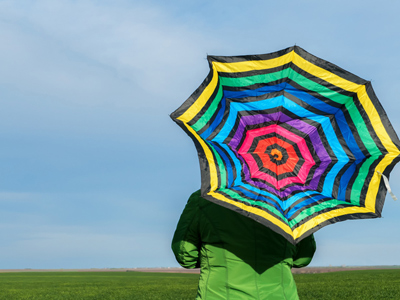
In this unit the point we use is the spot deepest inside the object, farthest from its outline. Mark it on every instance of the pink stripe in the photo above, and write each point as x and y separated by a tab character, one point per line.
251	134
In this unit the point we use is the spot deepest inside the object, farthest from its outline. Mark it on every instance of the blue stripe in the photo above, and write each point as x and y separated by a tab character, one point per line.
259	197
304	203
217	120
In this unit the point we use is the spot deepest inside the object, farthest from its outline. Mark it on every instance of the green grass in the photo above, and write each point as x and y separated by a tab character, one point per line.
97	285
365	285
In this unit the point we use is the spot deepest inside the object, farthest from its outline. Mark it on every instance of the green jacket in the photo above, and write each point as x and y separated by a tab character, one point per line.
239	258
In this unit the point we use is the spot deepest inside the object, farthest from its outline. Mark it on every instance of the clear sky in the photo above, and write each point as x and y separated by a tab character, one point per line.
93	172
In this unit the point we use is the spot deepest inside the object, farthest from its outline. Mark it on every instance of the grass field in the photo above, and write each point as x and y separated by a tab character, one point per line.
371	284
97	285
365	285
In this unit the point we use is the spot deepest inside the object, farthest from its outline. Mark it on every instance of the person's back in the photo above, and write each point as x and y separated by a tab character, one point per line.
239	258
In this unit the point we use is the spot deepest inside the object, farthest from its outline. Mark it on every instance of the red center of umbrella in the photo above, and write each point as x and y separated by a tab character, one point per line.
273	158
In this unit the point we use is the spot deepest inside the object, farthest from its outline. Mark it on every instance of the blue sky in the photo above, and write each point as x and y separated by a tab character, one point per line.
93	172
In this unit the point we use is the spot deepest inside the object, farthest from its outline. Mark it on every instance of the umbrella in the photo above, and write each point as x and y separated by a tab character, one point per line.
290	140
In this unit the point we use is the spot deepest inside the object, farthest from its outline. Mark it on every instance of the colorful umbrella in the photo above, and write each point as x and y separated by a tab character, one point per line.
290	140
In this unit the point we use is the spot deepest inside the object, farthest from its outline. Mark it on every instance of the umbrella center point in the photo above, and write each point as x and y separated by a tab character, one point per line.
276	154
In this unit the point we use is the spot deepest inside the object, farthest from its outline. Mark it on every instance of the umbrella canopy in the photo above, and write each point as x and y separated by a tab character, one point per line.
290	140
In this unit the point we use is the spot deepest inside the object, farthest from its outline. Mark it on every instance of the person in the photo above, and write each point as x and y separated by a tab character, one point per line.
239	257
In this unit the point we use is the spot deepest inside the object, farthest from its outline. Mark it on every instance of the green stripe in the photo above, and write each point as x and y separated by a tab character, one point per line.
360	181
314	209
256	79
261	204
286	73
319	88
362	129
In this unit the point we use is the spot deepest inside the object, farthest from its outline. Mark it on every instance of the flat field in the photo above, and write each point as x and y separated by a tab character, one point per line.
97	285
362	285
366	284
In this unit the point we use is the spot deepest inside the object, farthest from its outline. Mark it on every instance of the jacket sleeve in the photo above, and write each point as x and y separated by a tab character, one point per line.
305	250
186	242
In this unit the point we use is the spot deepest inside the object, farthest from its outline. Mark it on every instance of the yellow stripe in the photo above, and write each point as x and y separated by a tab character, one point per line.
202	100
376	180
209	156
314	222
250	65
325	74
376	121
255	211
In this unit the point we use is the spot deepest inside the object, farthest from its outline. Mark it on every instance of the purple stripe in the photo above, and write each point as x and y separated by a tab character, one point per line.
302	126
253	120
